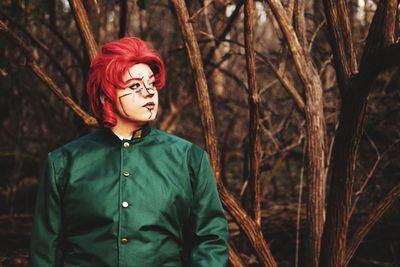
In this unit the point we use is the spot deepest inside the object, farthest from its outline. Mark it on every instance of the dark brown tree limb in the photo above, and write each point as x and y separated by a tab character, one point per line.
83	24
285	82
381	35
251	229
38	71
315	131
227	29
369	222
87	119
354	92
46	50
278	72
123	15
52	7
254	114
344	54
66	43
203	98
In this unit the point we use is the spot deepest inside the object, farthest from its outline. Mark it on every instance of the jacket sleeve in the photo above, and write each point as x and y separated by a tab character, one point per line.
209	229
45	247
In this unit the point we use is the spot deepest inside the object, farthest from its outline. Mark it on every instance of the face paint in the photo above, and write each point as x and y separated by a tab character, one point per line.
139	101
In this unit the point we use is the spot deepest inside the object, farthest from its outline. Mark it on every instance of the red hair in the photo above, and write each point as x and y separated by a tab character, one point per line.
107	69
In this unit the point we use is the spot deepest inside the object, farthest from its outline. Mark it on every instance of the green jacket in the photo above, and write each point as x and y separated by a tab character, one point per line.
149	201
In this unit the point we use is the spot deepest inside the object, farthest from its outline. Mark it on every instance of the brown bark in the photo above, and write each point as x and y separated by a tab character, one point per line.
345	57
354	92
38	71
299	21
254	112
285	82
252	230
234	258
83	24
315	131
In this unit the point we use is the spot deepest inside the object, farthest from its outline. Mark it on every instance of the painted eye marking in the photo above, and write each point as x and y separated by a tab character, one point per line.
124	95
122	106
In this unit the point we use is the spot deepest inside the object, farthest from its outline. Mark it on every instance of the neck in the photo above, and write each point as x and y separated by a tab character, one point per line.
126	128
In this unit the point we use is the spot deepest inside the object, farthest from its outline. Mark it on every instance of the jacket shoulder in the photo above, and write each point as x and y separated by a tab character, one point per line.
78	146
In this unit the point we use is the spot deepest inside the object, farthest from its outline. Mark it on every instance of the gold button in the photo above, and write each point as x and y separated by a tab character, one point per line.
126	144
124	241
125	173
125	204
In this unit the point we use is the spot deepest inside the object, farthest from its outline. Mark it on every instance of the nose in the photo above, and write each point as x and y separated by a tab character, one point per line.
149	92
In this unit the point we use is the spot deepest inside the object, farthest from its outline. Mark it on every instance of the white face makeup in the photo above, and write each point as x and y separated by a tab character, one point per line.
138	103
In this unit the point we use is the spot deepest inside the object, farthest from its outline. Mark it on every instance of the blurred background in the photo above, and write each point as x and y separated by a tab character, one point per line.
34	121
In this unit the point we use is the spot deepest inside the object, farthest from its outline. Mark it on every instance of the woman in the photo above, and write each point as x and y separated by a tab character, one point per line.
127	194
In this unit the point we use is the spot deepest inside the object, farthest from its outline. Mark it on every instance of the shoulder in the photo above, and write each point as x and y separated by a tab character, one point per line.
176	145
78	146
176	142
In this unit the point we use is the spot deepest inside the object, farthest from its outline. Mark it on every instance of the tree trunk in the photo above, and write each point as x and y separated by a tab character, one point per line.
254	110
252	230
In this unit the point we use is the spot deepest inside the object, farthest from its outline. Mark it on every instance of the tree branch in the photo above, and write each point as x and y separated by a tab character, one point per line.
254	112
83	24
341	40
38	71
46	50
249	226
370	221
315	130
123	14
381	35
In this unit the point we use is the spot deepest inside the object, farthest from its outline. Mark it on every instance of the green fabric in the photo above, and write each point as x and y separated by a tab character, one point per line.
174	215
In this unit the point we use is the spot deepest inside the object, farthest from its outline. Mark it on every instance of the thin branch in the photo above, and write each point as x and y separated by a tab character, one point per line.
227	29
46	51
315	33
298	219
369	222
198	12
234	256
38	71
280	74
380	157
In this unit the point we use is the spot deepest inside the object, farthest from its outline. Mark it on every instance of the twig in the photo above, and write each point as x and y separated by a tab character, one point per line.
315	33
38	71
298	219
198	12
370	174
370	221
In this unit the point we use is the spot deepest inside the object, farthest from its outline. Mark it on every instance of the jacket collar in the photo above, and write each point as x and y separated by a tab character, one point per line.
137	135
